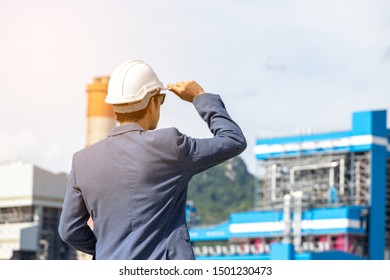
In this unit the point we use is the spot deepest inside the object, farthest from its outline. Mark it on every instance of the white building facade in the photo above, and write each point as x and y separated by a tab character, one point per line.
30	207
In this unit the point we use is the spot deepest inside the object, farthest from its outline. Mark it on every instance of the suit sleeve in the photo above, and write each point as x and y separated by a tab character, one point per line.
73	227
198	155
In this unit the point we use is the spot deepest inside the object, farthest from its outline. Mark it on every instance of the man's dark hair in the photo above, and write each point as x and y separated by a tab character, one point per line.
130	117
133	116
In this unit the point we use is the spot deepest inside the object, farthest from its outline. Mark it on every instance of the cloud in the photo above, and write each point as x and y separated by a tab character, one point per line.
15	146
51	153
23	146
279	65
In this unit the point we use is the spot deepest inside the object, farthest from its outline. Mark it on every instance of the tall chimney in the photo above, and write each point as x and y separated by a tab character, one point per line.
100	116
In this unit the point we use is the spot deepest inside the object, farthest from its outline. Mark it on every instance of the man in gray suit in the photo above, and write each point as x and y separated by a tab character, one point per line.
133	184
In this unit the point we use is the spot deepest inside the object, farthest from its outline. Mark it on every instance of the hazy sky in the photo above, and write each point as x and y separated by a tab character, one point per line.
280	66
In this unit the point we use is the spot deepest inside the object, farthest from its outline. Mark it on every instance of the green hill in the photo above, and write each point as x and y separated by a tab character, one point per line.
221	190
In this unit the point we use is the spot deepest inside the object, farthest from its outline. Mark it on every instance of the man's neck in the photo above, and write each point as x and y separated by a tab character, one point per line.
142	123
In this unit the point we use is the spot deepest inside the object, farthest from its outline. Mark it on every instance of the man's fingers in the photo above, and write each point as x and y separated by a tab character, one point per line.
186	90
176	87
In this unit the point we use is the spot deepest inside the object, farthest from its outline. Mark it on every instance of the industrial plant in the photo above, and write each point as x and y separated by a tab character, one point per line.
318	196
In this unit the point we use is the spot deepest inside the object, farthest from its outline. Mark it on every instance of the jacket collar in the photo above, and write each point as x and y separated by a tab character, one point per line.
117	130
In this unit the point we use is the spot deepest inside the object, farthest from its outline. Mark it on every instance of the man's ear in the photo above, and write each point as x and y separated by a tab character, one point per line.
152	104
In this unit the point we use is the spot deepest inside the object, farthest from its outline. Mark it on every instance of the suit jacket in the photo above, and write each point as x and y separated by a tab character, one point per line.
134	186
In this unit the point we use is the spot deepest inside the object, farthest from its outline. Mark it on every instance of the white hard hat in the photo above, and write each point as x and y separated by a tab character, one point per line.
131	85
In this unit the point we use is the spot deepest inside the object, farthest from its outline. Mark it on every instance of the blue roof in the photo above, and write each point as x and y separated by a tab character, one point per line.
338	220
350	212
211	233
368	132
259	216
302	138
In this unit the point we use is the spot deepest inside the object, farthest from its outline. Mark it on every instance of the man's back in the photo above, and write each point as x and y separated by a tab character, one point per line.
134	186
135	189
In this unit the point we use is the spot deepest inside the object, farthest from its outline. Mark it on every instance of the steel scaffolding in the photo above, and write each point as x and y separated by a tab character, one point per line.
333	179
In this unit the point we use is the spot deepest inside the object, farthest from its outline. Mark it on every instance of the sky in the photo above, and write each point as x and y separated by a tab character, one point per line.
281	67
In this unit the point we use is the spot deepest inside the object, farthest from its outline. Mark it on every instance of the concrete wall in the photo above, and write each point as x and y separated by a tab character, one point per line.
16	184
23	184
49	189
20	236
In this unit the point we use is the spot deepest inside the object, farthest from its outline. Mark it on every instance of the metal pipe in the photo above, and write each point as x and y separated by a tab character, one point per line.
273	182
310	166
331	177
330	165
298	219
342	177
287	219
357	181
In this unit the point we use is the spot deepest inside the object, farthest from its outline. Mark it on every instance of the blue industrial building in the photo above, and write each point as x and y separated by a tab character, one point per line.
321	196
